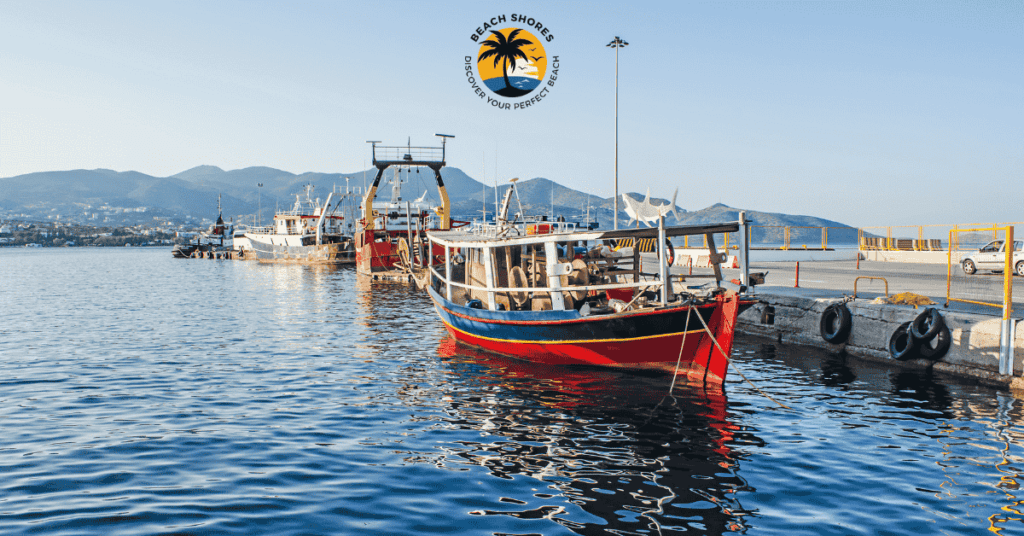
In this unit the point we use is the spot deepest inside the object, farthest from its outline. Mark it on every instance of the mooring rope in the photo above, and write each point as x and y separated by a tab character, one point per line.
679	360
734	367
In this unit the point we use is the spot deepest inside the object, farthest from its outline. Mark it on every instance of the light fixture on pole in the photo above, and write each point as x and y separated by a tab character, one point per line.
617	43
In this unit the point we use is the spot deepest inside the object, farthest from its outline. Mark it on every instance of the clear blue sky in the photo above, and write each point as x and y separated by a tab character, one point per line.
869	113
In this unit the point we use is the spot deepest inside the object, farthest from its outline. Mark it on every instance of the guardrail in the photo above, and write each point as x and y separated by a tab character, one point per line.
879	238
895	242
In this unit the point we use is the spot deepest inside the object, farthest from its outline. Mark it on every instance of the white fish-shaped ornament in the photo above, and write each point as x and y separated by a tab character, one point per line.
647	212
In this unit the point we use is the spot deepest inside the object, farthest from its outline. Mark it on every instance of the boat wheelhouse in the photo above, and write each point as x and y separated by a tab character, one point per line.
550	293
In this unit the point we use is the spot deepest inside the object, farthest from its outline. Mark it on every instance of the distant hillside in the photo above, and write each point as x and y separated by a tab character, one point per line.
769	226
193	194
101	186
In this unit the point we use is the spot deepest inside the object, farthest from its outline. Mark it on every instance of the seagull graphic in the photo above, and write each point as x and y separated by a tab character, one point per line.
536	58
532	49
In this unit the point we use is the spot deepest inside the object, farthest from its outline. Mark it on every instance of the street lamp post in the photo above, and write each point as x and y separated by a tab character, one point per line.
617	43
259	188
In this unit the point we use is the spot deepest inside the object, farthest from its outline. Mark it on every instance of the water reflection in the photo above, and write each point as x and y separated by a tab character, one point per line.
835	373
610	451
919	395
868	440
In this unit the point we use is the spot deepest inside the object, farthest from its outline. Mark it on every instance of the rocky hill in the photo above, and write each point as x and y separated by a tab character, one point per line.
79	195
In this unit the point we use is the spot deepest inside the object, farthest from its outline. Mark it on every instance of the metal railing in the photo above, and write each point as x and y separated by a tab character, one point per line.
409	153
875	238
1007	304
886	239
784	238
1008	325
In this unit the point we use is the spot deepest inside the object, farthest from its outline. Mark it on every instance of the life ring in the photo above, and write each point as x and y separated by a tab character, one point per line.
927	325
902	344
671	252
943	340
835	323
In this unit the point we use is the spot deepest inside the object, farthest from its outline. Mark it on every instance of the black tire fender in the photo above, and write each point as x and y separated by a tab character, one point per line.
927	325
942	343
902	344
835	323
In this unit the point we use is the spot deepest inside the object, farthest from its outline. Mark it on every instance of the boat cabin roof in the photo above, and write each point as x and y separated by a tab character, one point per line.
513	236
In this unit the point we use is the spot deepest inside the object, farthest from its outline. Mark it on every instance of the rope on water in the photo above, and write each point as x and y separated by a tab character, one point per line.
686	328
734	367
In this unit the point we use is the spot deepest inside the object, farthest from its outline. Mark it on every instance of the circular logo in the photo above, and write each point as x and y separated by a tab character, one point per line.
511	62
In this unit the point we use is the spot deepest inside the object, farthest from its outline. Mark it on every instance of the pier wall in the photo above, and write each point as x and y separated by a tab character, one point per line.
974	353
924	257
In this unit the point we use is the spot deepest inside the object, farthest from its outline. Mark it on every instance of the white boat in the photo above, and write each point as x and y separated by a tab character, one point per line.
309	233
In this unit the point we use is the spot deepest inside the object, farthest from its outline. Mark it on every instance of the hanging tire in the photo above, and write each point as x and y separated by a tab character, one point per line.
835	323
969	267
902	344
942	343
927	325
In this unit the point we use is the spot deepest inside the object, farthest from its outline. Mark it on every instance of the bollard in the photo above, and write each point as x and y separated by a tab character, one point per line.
796	277
691	266
858	261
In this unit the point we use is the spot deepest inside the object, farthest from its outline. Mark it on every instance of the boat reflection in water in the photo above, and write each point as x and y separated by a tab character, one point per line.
611	451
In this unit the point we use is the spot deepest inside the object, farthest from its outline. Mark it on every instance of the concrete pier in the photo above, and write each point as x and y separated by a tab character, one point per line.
975	329
973	354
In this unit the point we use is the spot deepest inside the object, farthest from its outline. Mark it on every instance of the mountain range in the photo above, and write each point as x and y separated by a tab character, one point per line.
192	194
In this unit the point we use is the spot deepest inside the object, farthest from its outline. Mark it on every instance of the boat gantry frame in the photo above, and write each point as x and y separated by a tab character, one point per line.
408	156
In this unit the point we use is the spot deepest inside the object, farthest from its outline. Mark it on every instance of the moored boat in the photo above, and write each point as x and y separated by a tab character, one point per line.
551	293
309	233
389	237
217	241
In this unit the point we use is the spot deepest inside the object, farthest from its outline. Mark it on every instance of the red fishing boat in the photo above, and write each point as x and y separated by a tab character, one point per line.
551	293
389	236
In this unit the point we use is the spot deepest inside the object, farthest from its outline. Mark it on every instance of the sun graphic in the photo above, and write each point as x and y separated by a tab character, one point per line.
512	62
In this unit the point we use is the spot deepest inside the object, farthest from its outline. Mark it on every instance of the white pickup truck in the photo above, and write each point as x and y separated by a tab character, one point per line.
992	256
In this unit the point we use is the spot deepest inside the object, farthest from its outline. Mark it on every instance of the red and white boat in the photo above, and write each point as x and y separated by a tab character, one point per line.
550	293
389	236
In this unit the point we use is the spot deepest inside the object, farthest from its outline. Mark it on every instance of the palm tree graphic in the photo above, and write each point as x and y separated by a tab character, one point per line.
506	51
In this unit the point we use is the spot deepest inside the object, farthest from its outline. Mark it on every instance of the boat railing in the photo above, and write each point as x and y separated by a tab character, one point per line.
521	228
567	288
408	153
299	212
550	260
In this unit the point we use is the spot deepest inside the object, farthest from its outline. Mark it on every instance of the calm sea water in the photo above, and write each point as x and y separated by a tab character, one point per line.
142	394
